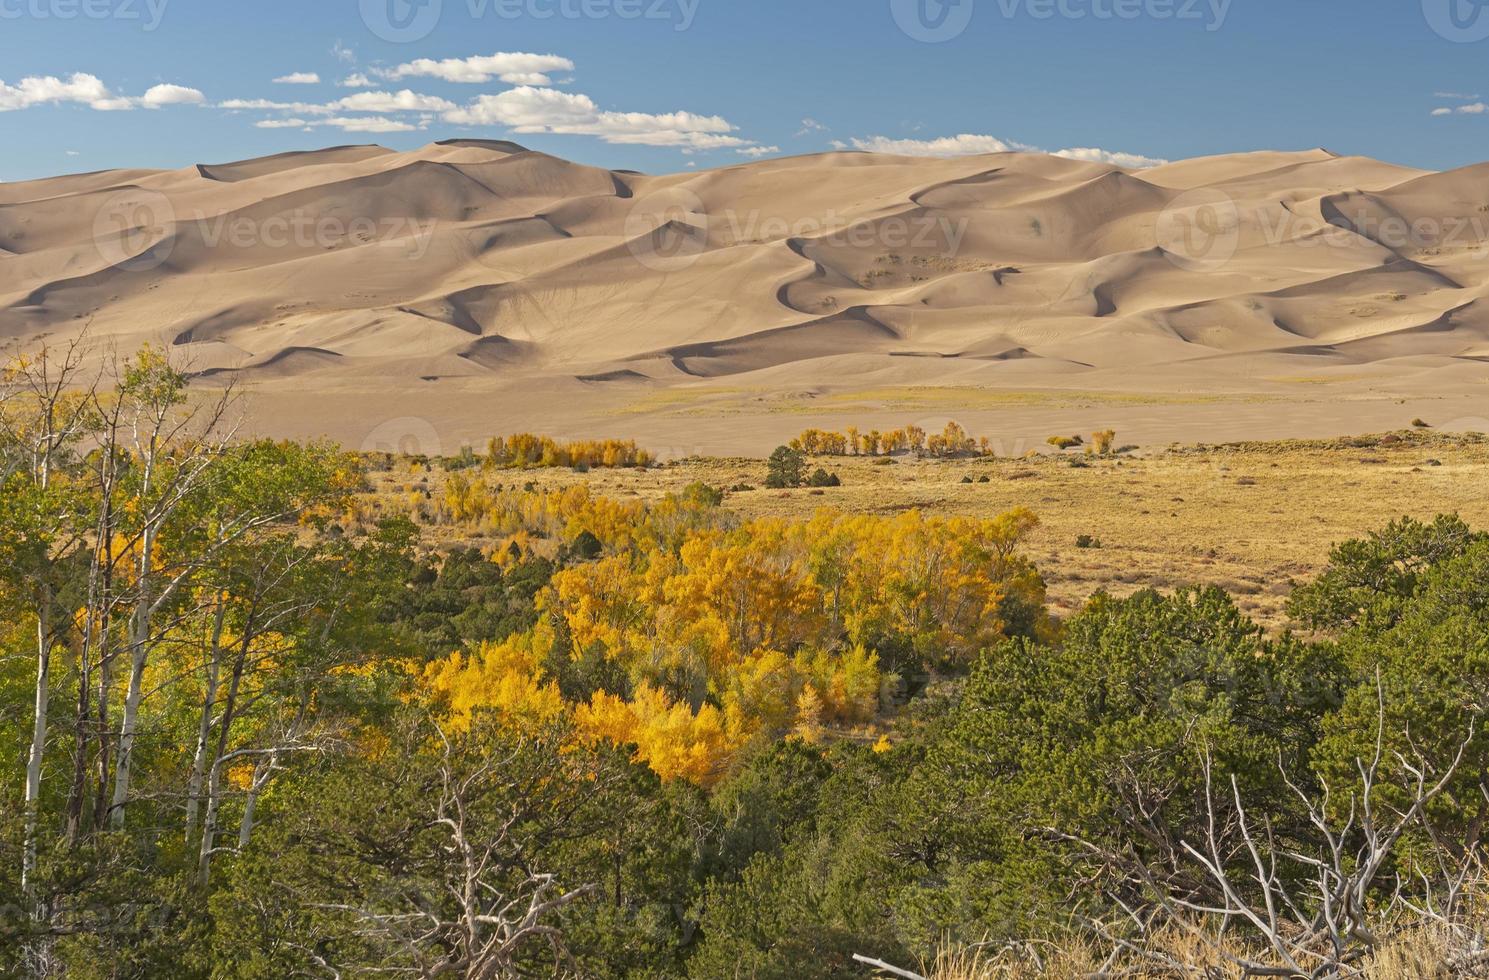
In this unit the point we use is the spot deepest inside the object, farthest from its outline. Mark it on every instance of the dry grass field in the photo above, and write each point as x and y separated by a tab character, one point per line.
1253	518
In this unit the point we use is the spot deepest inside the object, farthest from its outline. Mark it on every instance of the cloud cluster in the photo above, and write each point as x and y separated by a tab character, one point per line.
532	105
1127	161
514	68
80	88
973	144
527	109
1472	109
964	144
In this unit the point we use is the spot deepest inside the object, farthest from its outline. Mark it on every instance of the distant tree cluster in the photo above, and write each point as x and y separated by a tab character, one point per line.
952	442
786	468
525	450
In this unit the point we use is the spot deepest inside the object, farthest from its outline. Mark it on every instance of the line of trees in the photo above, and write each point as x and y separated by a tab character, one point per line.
524	450
951	442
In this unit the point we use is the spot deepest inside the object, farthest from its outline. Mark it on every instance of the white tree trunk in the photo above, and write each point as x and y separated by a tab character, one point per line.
204	726
209	828
138	649
38	742
261	774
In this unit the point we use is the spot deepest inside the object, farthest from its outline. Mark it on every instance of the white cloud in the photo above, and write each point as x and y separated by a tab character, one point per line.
350	124
758	151
971	144
380	102
404	101
529	107
343	53
367	124
514	68
271	105
810	125
1444	111
1473	109
299	78
163	95
73	153
964	144
541	110
80	87
84	89
1127	161
1454	95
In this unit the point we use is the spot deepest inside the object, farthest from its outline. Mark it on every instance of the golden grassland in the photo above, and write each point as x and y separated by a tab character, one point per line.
1253	518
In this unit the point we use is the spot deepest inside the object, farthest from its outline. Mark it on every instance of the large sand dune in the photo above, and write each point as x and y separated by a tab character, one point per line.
474	286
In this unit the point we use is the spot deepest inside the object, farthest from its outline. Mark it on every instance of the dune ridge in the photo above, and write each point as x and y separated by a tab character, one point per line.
495	275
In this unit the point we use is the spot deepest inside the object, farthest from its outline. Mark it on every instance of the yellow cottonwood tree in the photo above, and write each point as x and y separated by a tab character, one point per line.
506	677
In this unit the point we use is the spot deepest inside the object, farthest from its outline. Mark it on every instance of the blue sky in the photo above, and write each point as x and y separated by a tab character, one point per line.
661	85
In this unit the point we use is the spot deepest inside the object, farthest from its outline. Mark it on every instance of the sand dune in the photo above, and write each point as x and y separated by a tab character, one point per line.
481	286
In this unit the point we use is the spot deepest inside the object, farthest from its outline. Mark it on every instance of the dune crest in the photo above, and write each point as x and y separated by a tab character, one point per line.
491	268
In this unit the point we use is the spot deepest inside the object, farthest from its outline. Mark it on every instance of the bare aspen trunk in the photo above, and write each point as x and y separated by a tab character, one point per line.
95	647
79	783
105	756
138	649
209	794
209	828
261	773
139	640
38	740
204	725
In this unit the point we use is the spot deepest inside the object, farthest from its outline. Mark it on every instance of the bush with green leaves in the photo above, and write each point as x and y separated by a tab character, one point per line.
784	469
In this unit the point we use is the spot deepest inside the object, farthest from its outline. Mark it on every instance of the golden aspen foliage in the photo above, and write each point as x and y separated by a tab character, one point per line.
727	635
506	677
952	441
